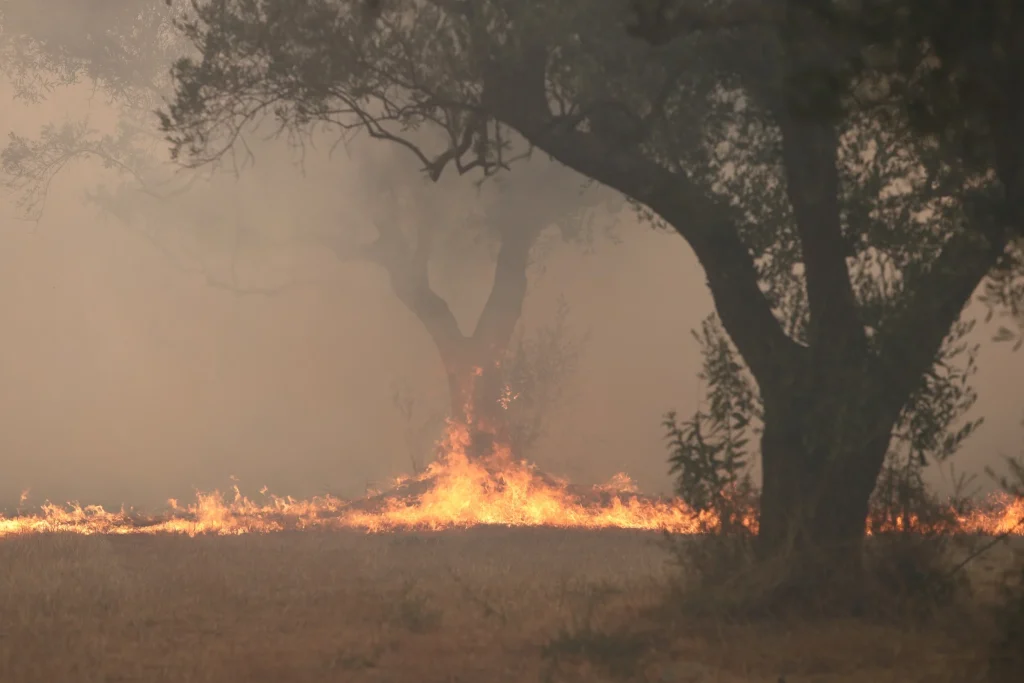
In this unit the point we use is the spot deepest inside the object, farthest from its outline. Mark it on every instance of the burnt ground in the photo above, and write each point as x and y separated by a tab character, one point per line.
481	605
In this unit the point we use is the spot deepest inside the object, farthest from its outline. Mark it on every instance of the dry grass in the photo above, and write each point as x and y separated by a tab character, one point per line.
485	605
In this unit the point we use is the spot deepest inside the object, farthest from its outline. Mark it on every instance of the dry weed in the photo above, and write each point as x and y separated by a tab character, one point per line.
516	605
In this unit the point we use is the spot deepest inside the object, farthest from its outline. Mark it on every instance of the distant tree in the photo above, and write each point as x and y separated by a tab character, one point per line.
488	369
760	139
537	369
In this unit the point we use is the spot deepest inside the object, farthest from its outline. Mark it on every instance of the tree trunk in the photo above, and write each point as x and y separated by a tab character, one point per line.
821	459
832	399
475	386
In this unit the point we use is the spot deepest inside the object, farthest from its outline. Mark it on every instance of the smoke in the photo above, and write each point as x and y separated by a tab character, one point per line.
190	339
214	333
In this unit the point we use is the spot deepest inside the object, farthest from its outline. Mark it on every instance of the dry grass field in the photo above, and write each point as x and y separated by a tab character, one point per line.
476	606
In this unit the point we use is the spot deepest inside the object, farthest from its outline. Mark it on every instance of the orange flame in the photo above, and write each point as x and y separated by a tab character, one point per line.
454	491
501	491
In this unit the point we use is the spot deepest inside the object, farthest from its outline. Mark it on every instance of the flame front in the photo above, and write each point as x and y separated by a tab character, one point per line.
454	491
502	491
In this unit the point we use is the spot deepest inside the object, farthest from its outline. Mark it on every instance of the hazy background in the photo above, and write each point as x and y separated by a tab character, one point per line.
124	378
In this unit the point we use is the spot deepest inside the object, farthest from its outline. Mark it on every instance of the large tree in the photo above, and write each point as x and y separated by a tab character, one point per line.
803	195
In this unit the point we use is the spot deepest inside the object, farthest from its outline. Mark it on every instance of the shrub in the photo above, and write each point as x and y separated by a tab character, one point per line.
910	554
908	559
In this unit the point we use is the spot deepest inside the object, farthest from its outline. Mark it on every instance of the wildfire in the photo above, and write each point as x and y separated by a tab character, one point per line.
454	491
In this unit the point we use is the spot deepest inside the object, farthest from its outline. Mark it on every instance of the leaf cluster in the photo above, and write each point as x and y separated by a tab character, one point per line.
709	453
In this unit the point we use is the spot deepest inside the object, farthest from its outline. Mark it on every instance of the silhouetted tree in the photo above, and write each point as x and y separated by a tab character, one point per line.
412	225
760	139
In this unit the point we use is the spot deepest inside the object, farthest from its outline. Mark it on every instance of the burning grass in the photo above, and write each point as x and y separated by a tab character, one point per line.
454	492
482	570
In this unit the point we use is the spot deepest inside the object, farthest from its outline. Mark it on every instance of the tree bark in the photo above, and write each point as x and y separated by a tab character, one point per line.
820	463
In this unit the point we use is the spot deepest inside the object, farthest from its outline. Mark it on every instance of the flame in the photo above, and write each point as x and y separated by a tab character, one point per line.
454	491
499	490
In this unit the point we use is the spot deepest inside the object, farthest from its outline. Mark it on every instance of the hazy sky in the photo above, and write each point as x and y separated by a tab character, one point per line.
125	379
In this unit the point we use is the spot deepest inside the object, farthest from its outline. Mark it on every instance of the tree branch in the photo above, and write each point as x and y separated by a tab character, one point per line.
809	152
553	192
707	224
504	304
935	299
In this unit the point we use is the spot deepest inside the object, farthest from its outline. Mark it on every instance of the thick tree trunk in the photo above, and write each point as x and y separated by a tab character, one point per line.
821	459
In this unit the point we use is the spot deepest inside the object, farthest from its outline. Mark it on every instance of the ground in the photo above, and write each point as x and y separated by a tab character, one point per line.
476	606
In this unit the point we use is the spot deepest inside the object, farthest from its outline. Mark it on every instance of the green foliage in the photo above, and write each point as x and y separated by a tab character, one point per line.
707	107
30	165
122	46
121	49
934	424
711	458
710	452
909	565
